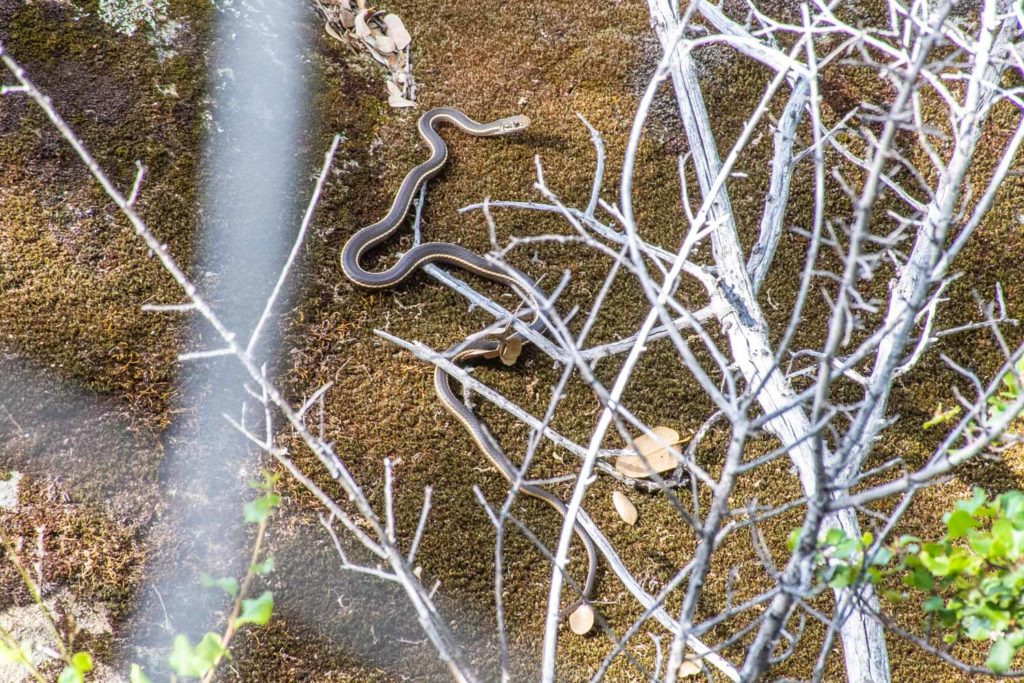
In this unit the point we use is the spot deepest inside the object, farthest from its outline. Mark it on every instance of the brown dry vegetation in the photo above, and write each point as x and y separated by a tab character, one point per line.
72	277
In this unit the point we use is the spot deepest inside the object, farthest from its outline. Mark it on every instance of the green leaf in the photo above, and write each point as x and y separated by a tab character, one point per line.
941	416
225	583
933	604
82	661
185	661
270	480
256	511
959	523
264	567
1012	505
919	578
210	648
793	540
981	545
1000	656
977	629
136	675
1002	537
1012	385
257	611
977	500
936	562
882	557
835	536
70	675
842	577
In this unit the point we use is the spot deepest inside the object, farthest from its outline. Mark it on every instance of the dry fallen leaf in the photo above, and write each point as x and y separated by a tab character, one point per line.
395	98
385	43
582	619
362	28
689	668
399	102
383	36
332	33
652	457
646	445
371	48
624	506
397	31
510	350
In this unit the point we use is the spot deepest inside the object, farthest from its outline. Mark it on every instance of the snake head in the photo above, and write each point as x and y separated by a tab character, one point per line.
511	124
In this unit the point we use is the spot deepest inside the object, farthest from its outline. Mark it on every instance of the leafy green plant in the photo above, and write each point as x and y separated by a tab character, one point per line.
201	660
186	660
975	573
998	403
839	561
77	664
1002	400
972	578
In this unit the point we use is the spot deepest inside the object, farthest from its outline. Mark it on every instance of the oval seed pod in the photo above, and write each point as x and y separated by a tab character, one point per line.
624	506
582	619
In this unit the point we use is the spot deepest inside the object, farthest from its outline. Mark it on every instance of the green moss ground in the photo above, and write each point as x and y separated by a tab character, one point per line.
72	276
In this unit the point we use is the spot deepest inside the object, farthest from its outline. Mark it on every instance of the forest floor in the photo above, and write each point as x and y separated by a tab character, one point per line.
87	379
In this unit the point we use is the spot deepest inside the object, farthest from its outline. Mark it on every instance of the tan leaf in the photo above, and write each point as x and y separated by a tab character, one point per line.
645	445
332	33
348	18
384	43
397	31
689	668
362	28
582	619
396	99
652	457
371	47
624	506
510	350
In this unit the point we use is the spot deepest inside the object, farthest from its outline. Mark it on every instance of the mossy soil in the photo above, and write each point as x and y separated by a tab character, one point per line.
72	277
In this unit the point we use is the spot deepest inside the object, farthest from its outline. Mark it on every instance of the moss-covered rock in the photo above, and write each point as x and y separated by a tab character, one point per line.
72	277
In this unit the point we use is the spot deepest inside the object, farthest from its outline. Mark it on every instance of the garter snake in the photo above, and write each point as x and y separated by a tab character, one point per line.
477	346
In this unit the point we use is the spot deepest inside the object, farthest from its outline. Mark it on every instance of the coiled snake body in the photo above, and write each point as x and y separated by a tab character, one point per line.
477	346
